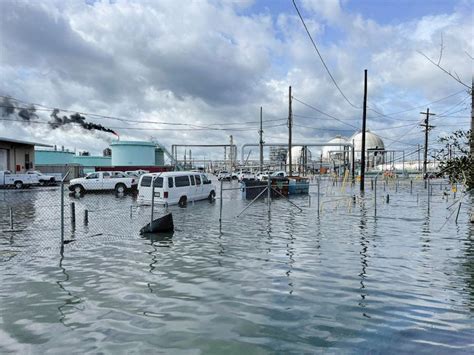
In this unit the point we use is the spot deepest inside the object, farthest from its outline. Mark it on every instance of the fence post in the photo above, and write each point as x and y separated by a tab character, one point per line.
269	194
152	201
61	191
428	188
319	182
411	186
73	215
131	211
375	196
220	206
457	214
11	218
86	217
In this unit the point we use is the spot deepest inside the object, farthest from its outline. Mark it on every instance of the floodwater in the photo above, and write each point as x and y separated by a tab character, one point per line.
287	281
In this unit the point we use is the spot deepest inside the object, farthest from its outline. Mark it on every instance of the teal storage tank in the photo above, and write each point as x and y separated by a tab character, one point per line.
133	153
159	157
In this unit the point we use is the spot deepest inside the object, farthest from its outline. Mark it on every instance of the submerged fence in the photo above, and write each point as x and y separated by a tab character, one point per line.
56	216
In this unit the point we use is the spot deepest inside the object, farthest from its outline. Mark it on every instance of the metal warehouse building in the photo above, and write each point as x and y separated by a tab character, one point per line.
17	155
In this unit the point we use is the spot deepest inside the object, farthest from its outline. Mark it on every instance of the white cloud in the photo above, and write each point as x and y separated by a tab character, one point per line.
205	62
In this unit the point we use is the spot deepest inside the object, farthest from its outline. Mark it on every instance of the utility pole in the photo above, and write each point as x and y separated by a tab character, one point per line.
261	140
427	129
364	118
290	125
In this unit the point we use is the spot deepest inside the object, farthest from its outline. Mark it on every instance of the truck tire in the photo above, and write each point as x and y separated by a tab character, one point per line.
78	189
120	188
183	201
18	185
212	196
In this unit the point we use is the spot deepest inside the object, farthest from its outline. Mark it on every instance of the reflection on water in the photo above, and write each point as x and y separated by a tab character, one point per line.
278	282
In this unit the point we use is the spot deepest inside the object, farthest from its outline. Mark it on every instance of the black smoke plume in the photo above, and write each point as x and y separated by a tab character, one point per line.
8	107
28	113
78	120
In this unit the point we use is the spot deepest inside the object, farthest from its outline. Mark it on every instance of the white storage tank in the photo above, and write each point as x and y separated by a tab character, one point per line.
133	153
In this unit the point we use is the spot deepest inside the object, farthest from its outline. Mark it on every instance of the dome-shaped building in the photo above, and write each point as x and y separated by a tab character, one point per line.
331	152
374	147
297	155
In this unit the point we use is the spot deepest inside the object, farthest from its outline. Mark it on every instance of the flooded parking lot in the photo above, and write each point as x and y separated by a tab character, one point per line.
279	282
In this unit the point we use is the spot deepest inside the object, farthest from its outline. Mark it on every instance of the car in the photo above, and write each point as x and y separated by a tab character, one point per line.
43	179
175	187
246	175
280	173
224	175
263	176
103	181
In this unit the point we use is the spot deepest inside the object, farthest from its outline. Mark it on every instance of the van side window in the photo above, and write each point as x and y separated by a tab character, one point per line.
192	180
180	181
205	180
198	179
170	182
158	182
146	181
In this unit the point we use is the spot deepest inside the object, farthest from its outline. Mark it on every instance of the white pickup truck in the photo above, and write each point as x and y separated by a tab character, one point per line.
103	180
42	178
7	179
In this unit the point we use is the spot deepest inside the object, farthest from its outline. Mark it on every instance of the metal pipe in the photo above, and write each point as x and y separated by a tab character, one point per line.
86	217
286	144
11	218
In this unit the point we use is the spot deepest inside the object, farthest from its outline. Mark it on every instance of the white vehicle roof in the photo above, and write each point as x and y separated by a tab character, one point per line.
173	173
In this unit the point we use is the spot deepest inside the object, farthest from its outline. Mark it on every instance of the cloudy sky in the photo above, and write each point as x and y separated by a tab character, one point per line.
183	71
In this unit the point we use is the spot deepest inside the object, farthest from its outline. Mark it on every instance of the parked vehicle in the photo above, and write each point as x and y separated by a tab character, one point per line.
224	175
279	174
263	176
235	175
246	175
42	178
175	187
103	180
18	181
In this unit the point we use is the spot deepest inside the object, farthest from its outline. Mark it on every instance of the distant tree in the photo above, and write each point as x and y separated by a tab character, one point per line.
455	159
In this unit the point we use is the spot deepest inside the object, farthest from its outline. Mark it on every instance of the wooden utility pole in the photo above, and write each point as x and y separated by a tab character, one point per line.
364	119
261	140
290	124
427	129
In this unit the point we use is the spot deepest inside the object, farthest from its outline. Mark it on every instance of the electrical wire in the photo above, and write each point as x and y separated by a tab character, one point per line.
323	113
321	58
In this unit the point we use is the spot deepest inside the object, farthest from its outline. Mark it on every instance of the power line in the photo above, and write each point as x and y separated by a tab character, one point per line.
321	58
40	107
414	107
324	113
149	129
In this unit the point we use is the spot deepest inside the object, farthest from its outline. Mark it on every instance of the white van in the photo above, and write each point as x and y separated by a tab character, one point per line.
176	187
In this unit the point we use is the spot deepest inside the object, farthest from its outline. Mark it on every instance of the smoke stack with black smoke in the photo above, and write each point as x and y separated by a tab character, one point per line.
77	120
8	108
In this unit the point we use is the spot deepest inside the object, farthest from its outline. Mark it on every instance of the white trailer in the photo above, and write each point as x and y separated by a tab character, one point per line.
18	181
